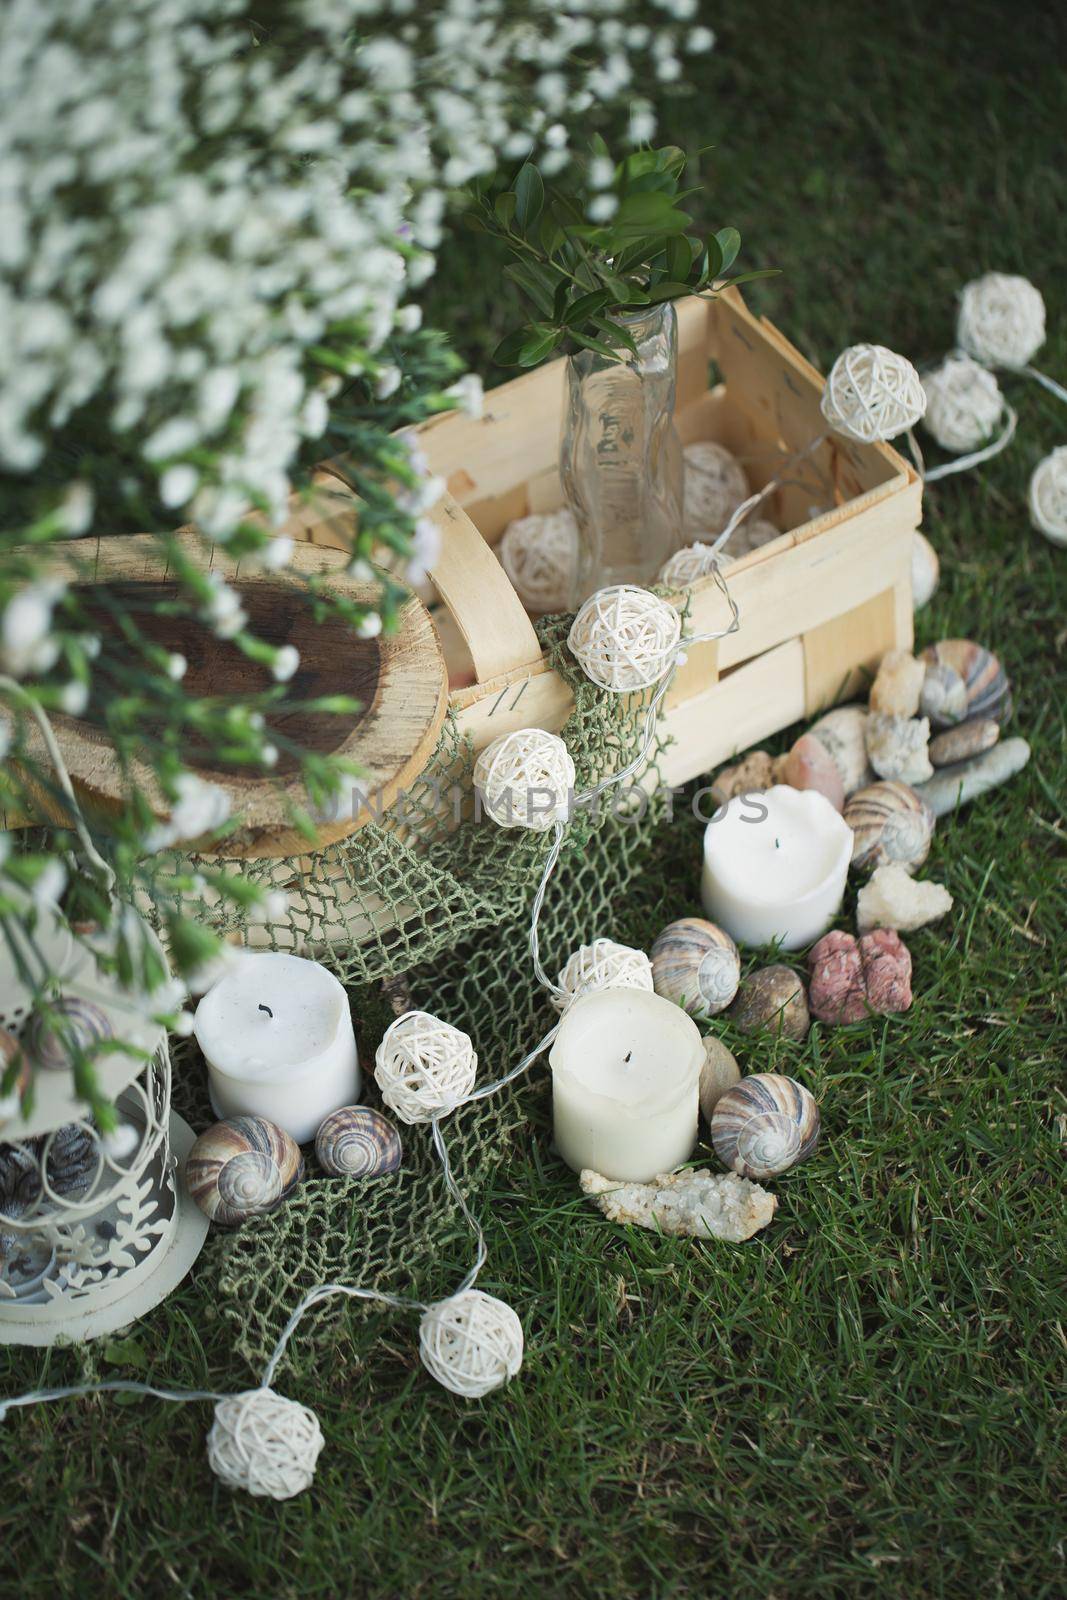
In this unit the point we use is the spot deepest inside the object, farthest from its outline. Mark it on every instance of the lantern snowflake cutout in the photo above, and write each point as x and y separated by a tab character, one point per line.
625	638
265	1444
602	965
424	1067
1048	496
525	779
1001	320
872	394
471	1343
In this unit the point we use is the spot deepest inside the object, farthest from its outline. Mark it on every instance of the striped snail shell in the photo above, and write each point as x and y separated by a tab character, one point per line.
357	1142
985	681
765	1125
696	965
891	826
241	1168
68	1026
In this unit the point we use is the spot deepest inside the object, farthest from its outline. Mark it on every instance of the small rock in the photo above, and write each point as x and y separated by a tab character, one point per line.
774	999
836	991
892	898
886	971
965	740
809	765
899	683
719	1073
953	786
944	696
751	775
852	978
702	1204
843	732
925	570
897	747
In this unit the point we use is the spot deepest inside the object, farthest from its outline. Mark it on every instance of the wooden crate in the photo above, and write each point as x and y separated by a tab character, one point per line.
819	605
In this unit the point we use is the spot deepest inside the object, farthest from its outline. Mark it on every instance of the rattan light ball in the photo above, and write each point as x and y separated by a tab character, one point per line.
1001	320
715	485
539	555
525	779
424	1067
265	1444
688	566
1048	496
872	394
471	1343
602	965
624	638
963	404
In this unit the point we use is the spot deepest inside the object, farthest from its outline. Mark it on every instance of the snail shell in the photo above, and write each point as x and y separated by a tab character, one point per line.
985	681
765	1125
357	1142
696	965
241	1168
890	823
70	1025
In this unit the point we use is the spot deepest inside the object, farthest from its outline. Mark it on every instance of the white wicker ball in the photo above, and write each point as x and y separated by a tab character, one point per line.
539	555
872	394
525	779
471	1343
265	1444
963	404
715	485
602	965
1001	320
1048	496
624	638
424	1067
687	566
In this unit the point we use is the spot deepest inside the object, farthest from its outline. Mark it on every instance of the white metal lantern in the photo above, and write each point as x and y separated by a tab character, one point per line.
95	1229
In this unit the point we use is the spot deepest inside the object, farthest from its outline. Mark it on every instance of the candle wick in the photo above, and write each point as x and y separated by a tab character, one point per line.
629	1053
778	844
269	1012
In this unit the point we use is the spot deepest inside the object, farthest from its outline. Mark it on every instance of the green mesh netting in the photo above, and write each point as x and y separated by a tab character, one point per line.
446	910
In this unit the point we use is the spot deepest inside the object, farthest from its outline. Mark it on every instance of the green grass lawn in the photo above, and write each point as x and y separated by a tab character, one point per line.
862	1400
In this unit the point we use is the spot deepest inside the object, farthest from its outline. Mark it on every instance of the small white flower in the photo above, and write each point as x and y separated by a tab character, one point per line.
601	172
77	509
272	907
602	207
121	1142
370	626
699	40
387	381
74	697
177	666
269	755
361	570
426	547
285	663
276	554
199	808
25	645
470	393
183	1024
642	123
49	884
178	484
409	318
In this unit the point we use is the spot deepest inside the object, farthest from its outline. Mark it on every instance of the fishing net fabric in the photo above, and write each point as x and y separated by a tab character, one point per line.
440	914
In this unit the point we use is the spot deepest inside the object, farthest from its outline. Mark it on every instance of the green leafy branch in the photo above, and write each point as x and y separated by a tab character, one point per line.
588	258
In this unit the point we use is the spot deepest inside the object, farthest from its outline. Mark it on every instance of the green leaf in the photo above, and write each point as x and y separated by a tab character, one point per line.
586	306
729	242
529	197
510	348
536	281
598	345
750	277
650	214
541	341
125	1353
504	207
679	258
667	291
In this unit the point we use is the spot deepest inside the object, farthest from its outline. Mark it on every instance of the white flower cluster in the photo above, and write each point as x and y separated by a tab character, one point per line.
188	207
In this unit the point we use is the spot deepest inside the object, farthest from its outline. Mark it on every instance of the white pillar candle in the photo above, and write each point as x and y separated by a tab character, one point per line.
625	1079
775	866
277	1037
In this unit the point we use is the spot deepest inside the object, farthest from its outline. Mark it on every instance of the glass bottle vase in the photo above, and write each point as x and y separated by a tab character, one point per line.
620	457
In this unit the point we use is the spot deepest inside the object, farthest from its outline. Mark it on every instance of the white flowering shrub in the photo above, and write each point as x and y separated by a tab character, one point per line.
213	217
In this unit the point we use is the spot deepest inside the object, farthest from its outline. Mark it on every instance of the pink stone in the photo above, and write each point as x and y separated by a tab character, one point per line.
886	971
836	992
809	765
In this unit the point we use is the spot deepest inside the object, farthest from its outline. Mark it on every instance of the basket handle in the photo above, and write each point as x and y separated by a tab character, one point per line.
480	596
